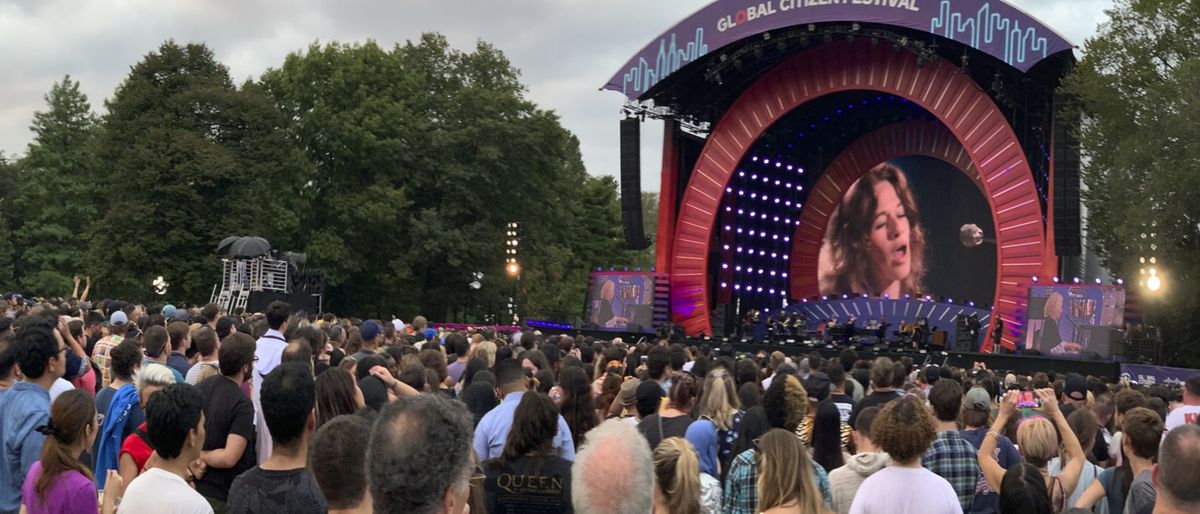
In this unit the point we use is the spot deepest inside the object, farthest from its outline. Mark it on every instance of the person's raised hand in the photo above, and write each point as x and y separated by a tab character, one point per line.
1049	401
383	374
1008	404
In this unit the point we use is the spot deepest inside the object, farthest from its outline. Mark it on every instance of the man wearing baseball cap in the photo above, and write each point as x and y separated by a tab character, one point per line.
117	324
976	417
370	339
1074	394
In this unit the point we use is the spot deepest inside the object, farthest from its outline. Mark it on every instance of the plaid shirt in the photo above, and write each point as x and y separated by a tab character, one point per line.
741	494
101	358
954	458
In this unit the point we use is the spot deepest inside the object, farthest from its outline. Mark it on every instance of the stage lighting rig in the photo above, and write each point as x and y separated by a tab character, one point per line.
511	265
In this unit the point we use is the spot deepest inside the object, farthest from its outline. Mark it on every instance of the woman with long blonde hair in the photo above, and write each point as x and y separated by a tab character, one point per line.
785	483
677	485
718	418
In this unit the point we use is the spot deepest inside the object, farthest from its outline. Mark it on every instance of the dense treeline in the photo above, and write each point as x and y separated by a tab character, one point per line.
394	169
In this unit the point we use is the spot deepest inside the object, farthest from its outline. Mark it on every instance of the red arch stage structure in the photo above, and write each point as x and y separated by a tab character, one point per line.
750	79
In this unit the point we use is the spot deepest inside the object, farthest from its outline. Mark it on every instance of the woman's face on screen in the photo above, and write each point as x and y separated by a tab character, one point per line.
890	251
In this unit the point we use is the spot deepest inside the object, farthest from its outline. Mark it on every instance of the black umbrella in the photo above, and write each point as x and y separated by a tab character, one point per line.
250	246
223	247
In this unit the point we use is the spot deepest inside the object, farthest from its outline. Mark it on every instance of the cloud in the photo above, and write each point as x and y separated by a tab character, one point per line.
565	49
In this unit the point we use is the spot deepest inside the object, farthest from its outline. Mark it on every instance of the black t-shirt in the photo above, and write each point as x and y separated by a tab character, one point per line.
226	411
1049	337
528	486
259	490
875	399
671	427
845	405
1100	448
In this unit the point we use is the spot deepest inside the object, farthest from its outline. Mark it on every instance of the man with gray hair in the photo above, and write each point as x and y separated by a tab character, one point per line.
1175	477
613	472
419	460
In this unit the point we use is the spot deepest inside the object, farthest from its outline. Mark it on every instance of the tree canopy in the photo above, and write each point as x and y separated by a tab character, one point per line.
1136	86
395	169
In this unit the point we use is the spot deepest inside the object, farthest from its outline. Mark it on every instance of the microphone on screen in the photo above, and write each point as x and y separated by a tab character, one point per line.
971	236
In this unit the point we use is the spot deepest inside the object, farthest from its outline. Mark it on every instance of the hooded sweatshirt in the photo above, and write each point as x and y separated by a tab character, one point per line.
844	481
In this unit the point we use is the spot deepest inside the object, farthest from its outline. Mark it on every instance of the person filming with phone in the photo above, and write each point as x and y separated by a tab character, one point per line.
1029	487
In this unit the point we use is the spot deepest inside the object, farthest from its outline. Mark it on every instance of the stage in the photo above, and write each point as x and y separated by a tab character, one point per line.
881	157
1027	364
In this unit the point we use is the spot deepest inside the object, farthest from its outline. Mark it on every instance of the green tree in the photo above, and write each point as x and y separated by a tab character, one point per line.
188	159
9	181
1136	87
421	156
57	195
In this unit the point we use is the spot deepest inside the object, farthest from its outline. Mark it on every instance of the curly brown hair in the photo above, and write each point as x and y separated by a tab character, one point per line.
785	403
903	429
844	266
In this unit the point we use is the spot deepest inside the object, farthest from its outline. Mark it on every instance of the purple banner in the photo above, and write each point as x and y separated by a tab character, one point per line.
993	27
1151	375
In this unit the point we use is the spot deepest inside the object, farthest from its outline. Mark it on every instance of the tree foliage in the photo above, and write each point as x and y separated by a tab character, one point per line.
1137	87
56	199
8	190
395	169
421	155
187	160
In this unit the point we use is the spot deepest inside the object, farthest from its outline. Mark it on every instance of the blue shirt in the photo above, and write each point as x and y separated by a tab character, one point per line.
987	500
179	362
178	376
25	406
492	431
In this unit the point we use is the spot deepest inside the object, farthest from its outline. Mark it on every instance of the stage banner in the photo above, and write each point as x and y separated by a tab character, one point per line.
1151	375
620	301
993	27
1070	320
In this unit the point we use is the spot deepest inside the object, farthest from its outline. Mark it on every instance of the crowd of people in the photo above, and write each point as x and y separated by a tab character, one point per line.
117	407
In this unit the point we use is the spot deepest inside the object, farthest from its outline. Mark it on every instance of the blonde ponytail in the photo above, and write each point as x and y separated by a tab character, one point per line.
677	475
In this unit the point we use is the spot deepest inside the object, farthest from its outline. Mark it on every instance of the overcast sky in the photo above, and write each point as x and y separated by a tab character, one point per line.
566	49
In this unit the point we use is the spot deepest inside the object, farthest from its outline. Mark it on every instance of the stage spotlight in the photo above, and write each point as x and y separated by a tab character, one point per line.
1097	281
1120	281
1035	279
1055	280
1077	280
1154	283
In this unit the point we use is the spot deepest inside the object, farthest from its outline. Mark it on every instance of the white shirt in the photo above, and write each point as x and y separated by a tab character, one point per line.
59	386
156	491
1182	415
268	351
766	383
899	490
